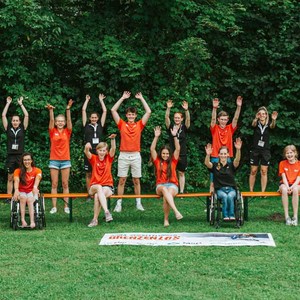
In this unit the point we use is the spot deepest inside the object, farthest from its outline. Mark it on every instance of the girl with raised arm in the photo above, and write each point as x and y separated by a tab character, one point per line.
166	180
60	131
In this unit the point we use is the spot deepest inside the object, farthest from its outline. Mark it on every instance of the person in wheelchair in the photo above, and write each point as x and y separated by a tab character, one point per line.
224	181
26	183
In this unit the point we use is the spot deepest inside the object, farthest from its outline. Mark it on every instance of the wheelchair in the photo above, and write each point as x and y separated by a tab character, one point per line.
39	214
214	210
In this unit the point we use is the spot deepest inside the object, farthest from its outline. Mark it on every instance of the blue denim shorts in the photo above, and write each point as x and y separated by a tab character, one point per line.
59	164
168	185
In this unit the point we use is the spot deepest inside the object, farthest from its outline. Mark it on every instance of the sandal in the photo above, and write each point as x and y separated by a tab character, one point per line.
93	223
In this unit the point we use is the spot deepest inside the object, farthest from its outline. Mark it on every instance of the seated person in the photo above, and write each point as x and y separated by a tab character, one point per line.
166	179
223	172
26	183
101	183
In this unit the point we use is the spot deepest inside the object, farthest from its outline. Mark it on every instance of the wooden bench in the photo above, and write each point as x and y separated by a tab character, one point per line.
247	196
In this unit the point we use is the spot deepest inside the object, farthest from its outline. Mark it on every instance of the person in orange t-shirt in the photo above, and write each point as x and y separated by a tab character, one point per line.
130	157
289	170
60	153
166	180
26	183
222	134
101	184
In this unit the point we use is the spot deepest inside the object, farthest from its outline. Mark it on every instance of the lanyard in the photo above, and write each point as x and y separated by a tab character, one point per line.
262	129
95	129
15	132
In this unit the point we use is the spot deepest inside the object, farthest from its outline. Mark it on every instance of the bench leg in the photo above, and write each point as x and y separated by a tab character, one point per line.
71	209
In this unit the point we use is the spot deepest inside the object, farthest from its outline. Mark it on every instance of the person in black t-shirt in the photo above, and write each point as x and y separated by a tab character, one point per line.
224	171
15	132
93	132
260	153
182	129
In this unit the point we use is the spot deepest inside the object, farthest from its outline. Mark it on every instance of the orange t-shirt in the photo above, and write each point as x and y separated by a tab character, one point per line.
161	171
291	171
60	144
130	135
30	179
101	170
222	137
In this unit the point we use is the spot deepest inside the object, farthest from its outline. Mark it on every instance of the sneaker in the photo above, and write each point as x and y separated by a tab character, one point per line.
294	222
140	207
93	223
53	210
67	210
118	207
108	217
225	219
232	218
288	221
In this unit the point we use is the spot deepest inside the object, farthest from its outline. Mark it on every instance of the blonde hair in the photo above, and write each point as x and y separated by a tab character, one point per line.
102	145
292	148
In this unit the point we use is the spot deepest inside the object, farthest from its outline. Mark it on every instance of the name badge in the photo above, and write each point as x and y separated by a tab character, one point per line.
95	141
261	143
14	146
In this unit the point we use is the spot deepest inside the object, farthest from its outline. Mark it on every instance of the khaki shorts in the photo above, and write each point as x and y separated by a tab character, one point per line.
130	160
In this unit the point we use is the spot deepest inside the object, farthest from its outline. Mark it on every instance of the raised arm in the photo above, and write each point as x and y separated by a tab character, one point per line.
255	120
147	114
238	145
83	111
112	150
51	115
185	106
239	102
68	113
4	112
157	133
86	150
208	150
274	118
25	112
167	115
104	110
114	110
215	104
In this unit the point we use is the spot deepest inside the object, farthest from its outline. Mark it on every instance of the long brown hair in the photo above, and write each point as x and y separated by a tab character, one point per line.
169	161
23	168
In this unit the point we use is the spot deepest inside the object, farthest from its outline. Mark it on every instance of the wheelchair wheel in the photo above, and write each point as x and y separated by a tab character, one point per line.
42	211
212	209
15	211
219	212
239	209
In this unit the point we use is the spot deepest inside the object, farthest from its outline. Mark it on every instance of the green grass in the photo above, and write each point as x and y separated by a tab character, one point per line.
64	261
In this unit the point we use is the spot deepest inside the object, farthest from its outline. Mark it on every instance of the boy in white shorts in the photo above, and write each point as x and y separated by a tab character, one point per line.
130	147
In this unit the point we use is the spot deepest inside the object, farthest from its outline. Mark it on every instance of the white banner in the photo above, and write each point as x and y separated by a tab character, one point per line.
188	239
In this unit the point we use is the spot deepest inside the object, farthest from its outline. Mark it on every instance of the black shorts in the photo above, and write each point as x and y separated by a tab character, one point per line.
12	162
87	165
182	163
260	157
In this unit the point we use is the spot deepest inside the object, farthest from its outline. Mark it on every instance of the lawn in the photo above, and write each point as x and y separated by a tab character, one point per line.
64	261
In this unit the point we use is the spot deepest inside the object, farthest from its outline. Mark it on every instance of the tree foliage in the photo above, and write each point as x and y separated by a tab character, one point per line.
191	50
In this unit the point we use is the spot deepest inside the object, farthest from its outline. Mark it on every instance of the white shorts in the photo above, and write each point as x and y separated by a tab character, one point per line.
130	160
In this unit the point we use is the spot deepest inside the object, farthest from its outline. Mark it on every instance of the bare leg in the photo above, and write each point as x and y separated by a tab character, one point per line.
22	210
166	208
295	201
252	177
10	178
121	186
181	181
54	183
285	200
97	208
263	177
65	173
31	211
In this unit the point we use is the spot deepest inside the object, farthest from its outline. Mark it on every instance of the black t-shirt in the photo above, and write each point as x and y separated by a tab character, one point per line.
93	134
223	175
261	137
181	134
15	139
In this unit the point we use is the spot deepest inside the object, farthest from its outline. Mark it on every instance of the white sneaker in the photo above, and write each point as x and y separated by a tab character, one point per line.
294	222
118	207
67	210
53	210
140	207
288	221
